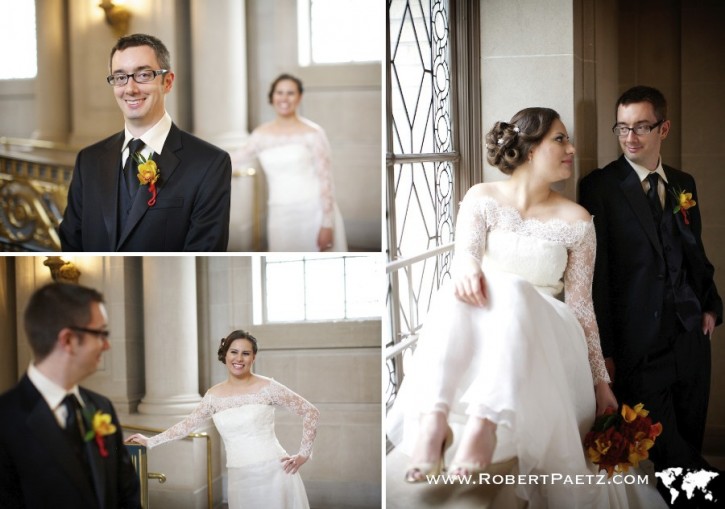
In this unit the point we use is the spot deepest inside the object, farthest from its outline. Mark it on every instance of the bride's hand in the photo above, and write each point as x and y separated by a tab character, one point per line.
137	438
292	464
605	397
324	239
470	285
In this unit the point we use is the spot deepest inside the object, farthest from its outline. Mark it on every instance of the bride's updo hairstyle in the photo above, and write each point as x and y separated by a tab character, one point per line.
508	143
227	341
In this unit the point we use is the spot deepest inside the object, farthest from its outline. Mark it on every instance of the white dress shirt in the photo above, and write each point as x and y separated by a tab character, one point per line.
643	173
53	393
153	139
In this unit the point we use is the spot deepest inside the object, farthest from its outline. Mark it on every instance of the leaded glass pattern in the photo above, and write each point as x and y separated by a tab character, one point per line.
422	161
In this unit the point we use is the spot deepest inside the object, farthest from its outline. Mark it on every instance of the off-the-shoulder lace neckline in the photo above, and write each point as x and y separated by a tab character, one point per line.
260	391
579	223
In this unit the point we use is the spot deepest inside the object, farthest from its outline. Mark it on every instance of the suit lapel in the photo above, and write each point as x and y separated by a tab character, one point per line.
42	423
166	162
632	189
110	173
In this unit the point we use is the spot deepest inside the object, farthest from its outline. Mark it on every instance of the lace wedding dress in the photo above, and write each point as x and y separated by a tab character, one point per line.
256	478
527	361
301	200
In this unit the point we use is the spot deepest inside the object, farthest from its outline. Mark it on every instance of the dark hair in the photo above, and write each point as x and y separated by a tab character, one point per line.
54	307
642	93
133	40
227	341
283	77
508	143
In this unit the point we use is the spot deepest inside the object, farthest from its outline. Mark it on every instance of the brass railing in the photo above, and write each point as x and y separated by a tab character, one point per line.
190	436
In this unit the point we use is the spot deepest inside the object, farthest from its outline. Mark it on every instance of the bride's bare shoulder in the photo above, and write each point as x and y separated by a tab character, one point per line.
570	211
483	190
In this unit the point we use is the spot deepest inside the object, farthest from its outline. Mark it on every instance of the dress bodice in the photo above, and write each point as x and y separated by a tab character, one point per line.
539	261
290	173
248	434
254	410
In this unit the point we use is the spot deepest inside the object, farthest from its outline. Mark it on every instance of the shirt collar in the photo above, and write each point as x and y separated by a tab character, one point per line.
643	172
52	393
154	138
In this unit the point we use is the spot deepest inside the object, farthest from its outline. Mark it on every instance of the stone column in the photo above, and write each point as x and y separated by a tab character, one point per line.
170	335
52	97
218	36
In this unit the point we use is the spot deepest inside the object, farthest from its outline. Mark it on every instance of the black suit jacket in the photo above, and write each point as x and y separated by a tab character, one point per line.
629	276
192	206
38	468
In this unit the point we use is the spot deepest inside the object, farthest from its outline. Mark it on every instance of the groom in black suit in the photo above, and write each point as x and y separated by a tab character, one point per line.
51	453
109	207
653	290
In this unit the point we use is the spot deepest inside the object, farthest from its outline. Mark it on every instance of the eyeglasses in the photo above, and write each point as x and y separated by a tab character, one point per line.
640	130
145	76
102	333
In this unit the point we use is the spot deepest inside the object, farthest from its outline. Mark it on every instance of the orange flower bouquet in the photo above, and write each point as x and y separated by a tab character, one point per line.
618	441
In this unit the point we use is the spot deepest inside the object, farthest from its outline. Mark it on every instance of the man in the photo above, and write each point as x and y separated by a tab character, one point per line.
653	290
47	458
109	207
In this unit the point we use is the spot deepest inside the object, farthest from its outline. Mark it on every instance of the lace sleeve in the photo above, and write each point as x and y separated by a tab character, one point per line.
321	154
578	296
470	231
296	404
193	421
244	156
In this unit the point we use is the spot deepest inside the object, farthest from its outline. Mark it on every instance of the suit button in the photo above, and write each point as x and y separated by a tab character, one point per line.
657	314
660	276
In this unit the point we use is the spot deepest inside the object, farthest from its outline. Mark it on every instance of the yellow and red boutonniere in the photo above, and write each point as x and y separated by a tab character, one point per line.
619	441
98	425
684	202
148	174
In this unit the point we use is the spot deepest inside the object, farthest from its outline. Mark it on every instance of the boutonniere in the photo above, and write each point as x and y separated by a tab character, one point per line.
683	202
148	175
98	425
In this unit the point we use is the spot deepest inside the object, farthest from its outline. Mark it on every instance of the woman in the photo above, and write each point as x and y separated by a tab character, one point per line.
261	473
301	211
528	367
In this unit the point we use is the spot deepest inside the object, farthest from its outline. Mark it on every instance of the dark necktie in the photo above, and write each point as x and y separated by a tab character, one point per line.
75	430
130	170
72	425
654	197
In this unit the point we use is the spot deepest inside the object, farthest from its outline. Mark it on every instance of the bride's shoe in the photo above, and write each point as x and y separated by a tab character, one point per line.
473	468
419	472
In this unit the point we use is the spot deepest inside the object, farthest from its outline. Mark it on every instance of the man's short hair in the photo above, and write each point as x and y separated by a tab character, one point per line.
54	307
133	40
642	93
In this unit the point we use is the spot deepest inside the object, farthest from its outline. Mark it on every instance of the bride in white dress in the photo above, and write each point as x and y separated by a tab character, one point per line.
261	475
302	214
526	368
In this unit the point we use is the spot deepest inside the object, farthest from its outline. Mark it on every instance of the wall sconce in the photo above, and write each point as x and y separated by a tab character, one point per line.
117	16
61	270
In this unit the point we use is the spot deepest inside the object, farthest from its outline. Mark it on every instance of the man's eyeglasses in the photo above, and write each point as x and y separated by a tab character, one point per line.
145	76
100	333
640	130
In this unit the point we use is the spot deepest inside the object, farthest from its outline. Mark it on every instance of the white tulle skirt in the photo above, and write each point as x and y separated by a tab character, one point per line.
522	363
265	485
